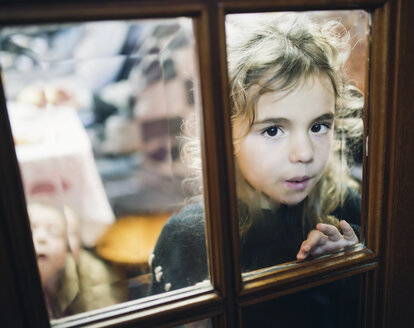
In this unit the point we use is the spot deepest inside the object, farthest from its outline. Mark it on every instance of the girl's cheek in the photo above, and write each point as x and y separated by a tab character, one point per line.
324	143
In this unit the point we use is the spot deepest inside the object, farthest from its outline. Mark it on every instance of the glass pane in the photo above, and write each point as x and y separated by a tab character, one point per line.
98	111
297	84
332	305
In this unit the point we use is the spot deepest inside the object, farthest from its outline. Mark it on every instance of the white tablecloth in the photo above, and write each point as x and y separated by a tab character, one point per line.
56	161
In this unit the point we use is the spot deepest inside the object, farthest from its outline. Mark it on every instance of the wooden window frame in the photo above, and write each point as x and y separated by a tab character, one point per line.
388	177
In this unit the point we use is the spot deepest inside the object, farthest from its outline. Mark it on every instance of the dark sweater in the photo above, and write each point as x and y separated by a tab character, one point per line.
180	259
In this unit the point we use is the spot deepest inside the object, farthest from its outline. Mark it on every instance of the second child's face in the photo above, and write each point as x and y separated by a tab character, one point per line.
286	151
49	237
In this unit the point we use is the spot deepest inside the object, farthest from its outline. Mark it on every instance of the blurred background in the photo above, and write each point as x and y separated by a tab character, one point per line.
96	111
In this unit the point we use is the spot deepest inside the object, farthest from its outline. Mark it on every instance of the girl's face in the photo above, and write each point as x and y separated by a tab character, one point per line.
286	151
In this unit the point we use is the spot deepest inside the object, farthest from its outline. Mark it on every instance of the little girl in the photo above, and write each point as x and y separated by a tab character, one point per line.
295	118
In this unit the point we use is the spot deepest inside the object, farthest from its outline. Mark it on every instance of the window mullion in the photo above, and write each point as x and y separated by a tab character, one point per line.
221	216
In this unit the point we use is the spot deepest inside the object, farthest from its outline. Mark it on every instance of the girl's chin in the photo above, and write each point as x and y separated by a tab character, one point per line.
294	200
275	203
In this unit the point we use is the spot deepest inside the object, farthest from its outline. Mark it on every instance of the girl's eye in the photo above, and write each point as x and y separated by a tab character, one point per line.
273	131
320	128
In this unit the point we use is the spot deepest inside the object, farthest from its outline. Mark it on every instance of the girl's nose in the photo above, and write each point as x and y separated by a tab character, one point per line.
300	149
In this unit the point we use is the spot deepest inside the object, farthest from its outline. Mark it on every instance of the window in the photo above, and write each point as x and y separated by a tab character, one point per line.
388	86
96	111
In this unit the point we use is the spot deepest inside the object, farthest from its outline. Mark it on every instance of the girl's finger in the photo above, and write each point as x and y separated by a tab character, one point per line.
315	239
330	231
302	254
303	251
348	232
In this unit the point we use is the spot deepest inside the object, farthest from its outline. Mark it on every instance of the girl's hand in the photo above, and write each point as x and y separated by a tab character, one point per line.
327	238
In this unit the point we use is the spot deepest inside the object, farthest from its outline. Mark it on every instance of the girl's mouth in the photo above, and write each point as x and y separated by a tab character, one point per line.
297	183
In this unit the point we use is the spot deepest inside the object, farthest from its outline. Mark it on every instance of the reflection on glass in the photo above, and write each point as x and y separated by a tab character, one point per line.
333	305
297	109
96	111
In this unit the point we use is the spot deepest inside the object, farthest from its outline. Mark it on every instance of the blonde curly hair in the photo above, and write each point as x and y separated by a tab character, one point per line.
277	52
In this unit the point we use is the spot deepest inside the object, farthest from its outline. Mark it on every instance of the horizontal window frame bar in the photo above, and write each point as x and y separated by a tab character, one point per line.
174	309
27	14
313	273
245	6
